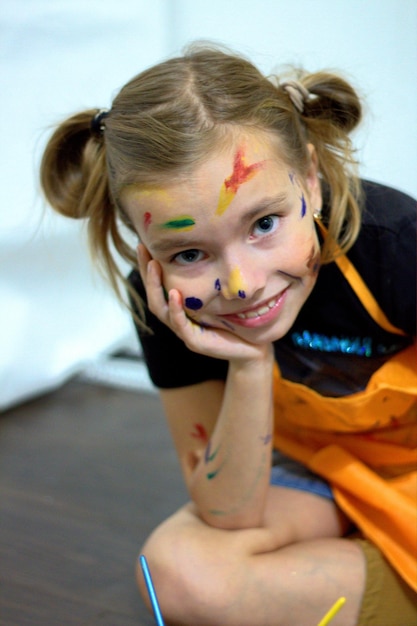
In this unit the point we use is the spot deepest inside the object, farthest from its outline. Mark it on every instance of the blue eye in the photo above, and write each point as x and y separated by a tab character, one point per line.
266	225
188	256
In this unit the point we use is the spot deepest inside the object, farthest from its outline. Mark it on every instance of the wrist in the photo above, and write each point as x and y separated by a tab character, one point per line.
261	361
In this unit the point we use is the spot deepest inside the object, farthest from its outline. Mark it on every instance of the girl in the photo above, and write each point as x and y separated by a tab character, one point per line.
275	303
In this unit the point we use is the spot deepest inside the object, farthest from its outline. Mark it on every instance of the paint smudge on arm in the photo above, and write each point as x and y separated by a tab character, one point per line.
199	432
209	456
241	174
266	438
211	475
263	466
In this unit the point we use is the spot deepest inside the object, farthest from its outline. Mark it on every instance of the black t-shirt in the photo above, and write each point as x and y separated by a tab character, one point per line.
334	345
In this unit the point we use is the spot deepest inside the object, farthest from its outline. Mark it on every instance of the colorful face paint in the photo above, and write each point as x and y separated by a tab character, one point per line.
241	174
293	178
193	303
184	223
214	293
147	219
236	283
303	206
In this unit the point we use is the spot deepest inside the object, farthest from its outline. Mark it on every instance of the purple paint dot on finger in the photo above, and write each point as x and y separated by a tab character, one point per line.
217	284
241	294
193	303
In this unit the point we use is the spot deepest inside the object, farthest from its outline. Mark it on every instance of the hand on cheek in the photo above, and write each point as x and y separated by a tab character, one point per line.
158	298
143	257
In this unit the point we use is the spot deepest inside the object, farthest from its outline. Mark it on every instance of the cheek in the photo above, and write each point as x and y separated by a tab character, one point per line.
196	292
303	254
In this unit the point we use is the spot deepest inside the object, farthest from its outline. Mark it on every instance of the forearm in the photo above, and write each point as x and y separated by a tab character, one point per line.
230	483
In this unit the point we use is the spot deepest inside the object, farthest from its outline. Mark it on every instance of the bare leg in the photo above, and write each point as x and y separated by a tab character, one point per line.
290	574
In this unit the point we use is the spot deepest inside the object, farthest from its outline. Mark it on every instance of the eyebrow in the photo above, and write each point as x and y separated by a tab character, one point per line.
173	241
270	203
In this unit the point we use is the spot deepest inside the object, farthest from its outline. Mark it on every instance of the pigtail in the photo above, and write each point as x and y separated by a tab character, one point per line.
330	113
74	179
69	158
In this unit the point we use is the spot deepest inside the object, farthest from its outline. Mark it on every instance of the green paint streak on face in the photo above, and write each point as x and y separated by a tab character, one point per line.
181	223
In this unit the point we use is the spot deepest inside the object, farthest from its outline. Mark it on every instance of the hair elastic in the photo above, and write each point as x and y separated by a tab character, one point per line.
297	92
97	122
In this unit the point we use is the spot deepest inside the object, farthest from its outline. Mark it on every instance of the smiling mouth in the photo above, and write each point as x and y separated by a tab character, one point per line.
259	311
262	310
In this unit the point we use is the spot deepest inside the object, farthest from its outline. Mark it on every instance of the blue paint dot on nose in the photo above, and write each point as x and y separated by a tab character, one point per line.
193	303
241	294
217	284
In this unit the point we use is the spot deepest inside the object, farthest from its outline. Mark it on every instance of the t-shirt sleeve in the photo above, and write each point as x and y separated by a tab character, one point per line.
170	363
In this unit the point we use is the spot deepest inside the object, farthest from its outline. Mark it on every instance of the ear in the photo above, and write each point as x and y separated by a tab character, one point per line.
312	179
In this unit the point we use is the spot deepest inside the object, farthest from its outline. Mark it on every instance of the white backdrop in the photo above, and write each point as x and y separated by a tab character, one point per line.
59	56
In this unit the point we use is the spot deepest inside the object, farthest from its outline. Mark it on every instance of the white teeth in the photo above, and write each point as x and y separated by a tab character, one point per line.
258	312
263	310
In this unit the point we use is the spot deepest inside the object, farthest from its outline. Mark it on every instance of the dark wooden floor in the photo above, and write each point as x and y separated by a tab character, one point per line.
85	473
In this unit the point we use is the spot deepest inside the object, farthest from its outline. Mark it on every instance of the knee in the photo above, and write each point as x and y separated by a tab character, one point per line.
170	565
189	578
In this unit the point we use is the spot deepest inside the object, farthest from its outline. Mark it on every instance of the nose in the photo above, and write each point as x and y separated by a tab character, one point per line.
241	280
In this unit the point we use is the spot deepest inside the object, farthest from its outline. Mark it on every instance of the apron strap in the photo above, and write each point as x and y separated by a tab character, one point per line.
359	287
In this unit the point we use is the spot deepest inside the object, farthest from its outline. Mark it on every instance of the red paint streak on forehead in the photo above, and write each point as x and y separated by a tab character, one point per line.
147	219
241	172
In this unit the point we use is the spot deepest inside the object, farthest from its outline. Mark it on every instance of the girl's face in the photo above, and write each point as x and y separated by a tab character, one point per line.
237	238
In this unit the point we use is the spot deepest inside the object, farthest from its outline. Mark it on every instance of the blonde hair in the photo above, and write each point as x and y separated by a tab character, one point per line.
168	118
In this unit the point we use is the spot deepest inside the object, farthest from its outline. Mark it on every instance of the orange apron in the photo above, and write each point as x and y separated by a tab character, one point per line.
363	444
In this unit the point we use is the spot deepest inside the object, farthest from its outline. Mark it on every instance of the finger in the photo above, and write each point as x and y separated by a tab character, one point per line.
143	257
177	314
157	297
181	322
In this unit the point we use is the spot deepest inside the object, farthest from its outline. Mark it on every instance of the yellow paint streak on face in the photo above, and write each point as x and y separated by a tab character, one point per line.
160	195
235	285
225	198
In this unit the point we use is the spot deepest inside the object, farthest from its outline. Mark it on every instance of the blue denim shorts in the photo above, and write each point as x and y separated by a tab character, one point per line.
288	473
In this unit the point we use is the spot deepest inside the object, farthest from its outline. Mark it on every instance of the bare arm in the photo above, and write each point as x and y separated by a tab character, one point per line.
222	432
